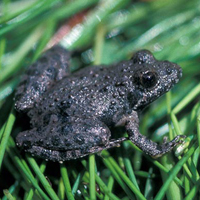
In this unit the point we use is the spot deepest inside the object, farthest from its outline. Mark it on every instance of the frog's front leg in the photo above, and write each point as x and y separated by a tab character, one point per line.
40	76
146	145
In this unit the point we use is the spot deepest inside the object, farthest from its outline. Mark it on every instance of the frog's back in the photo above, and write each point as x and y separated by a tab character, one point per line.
90	91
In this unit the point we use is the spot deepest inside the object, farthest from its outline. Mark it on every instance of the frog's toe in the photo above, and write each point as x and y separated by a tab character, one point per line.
168	146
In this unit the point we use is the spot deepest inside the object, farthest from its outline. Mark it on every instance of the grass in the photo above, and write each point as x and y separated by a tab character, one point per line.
112	31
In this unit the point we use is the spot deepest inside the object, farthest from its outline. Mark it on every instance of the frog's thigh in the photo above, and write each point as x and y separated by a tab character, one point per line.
51	67
70	140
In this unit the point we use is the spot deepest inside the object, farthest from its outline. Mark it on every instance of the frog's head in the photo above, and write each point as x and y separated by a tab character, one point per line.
152	78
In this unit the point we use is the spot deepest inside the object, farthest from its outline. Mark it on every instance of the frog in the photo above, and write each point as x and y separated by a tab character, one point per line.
72	114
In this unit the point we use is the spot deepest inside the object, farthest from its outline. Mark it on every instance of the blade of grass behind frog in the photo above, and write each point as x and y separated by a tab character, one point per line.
178	131
15	173
148	191
191	118
29	177
192	193
29	195
185	101
11	189
156	30
172	174
44	40
164	169
24	169
61	190
119	175
80	36
102	184
2	50
157	164
2	130
17	57
8	195
198	130
110	186
7	88
126	179
106	190
188	168
130	172
77	182
187	184
118	179
128	167
42	178
174	191
92	177
12	10
193	169
6	134
65	177
36	10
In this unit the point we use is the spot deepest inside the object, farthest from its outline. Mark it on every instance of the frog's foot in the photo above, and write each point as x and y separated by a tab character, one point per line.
146	145
153	149
51	67
67	140
167	146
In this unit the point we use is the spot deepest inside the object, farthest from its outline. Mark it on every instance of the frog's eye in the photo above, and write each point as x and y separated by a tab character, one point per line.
149	79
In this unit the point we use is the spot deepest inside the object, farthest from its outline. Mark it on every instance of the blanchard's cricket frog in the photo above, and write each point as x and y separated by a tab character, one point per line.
71	114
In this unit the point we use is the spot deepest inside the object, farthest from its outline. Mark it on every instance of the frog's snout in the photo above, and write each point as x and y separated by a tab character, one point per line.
171	72
178	73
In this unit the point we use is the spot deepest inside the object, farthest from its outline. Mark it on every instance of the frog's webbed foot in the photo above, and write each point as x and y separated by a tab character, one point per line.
51	67
74	138
153	149
146	145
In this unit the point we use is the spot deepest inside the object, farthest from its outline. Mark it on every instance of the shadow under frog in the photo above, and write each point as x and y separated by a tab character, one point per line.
71	114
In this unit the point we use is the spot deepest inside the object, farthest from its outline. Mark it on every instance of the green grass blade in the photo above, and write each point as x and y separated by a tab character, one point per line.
7	132
66	182
192	193
187	99
42	178
173	173
110	186
92	177
12	64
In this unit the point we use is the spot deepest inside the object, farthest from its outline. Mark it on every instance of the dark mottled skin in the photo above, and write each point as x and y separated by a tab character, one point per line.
71	114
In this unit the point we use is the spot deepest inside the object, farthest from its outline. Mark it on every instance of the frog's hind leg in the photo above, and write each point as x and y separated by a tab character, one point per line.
50	68
71	154
72	139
